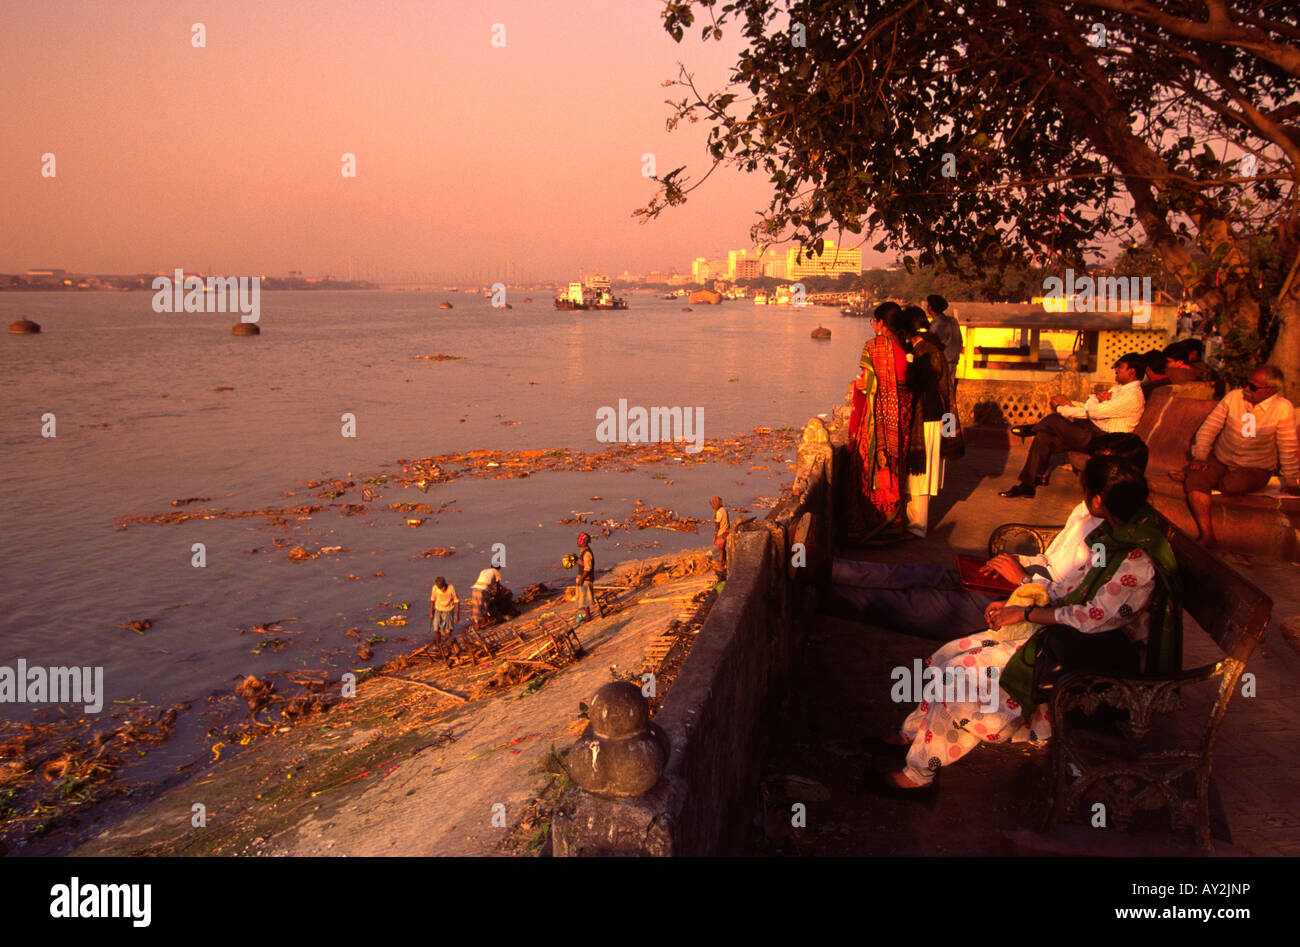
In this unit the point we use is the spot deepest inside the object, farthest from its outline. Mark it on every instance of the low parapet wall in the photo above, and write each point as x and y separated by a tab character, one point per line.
713	717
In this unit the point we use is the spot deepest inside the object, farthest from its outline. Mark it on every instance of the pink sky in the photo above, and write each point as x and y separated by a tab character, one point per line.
467	155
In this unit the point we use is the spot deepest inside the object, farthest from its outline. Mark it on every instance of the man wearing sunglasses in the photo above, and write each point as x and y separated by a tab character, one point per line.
1248	437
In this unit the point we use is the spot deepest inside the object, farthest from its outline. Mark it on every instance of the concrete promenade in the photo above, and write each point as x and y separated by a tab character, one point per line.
840	695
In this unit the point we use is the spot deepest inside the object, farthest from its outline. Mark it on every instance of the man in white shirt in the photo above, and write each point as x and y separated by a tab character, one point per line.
1249	436
480	606
1074	424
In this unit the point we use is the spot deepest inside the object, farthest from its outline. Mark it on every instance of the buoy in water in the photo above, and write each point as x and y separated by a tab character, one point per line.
246	328
24	327
821	332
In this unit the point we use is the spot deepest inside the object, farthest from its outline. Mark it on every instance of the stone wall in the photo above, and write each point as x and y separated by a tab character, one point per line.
990	403
713	717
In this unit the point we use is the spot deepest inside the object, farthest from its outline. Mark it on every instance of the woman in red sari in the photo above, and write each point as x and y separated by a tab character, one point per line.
878	434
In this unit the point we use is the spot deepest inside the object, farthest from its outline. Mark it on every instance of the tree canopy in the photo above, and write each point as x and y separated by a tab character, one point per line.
982	133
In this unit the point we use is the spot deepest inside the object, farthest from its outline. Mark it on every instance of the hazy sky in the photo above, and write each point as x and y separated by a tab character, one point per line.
229	156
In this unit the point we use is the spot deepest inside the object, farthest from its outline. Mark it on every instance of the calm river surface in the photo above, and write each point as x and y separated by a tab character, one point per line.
139	424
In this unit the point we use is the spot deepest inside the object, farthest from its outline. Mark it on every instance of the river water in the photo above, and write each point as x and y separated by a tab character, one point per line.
138	423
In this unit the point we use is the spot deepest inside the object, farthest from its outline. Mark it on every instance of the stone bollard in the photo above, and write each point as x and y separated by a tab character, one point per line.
621	753
619	803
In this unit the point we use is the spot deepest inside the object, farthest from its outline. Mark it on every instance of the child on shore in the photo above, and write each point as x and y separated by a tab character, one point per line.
721	527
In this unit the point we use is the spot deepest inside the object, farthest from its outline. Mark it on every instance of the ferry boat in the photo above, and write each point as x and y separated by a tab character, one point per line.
760	299
591	292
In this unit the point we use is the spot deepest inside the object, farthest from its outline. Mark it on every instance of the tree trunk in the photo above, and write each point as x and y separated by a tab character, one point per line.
1286	351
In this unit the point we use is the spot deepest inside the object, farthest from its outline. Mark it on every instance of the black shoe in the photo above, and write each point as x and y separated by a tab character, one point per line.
1018	490
1023	430
1042	481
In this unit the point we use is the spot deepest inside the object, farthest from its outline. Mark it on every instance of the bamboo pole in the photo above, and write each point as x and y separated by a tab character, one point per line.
439	690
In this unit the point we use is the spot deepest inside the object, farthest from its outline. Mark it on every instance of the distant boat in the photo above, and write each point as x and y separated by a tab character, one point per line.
760	299
591	292
444	305
707	296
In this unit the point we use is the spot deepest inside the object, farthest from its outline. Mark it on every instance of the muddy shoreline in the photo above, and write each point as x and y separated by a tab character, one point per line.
443	742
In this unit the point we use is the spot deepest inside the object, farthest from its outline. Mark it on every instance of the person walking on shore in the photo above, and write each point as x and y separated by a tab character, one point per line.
721	527
444	609
586	598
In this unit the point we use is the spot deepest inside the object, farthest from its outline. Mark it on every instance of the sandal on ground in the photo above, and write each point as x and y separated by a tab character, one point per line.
900	783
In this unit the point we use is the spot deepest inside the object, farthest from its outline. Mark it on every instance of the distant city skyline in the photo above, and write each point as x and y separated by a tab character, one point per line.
231	156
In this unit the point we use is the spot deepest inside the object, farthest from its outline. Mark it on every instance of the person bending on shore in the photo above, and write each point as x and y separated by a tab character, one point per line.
1074	424
586	597
1126	602
444	609
721	527
1249	435
480	603
929	601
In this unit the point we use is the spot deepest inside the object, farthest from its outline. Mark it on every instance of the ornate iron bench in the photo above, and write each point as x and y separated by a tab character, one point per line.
1136	765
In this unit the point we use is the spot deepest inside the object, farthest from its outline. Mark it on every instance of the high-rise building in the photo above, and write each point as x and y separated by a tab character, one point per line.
747	269
703	269
833	261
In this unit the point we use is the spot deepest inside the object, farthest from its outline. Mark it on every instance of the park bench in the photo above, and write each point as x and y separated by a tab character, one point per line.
1004	353
1144	761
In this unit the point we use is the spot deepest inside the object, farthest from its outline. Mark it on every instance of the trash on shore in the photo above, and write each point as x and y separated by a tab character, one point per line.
660	518
302	554
52	769
303	511
622	457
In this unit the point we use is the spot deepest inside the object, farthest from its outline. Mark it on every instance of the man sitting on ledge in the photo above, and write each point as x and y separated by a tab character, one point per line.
1075	424
930	601
1248	435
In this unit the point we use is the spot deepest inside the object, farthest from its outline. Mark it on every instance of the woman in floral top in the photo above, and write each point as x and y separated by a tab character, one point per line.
1132	577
